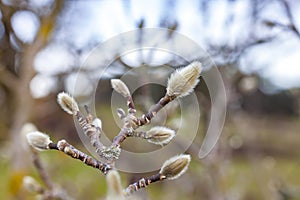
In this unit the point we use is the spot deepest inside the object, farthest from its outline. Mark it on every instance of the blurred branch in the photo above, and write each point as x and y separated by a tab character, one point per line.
8	79
41	170
290	17
291	26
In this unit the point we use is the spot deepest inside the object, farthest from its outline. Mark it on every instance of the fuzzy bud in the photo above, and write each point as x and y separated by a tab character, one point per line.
120	87
174	167
114	186
97	123
38	140
31	185
183	81
160	135
67	103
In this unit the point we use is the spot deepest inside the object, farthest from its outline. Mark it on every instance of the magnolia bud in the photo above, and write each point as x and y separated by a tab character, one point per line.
97	123
31	185
120	87
38	140
160	135
114	186
174	167
67	103
183	81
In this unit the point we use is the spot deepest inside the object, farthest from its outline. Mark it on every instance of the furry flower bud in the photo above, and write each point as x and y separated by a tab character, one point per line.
174	167
31	185
160	135
67	103
120	87
114	186
38	140
183	81
97	123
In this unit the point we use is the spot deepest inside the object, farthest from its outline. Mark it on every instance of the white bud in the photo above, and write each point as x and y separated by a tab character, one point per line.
160	135
183	81
97	123
38	140
31	185
120	87
67	103
175	166
114	186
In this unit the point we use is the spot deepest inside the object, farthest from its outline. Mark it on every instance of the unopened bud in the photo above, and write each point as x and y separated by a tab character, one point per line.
114	186
120	87
38	140
175	166
183	81
97	123
160	135
31	185
67	103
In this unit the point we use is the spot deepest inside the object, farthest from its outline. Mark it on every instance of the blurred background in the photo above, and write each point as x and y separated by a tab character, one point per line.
254	43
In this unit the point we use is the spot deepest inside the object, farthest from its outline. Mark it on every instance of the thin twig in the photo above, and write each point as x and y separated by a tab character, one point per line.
146	118
131	122
68	149
142	183
291	18
90	130
41	170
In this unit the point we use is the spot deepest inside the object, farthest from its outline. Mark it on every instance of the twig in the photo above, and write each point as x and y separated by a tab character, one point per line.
146	118
142	183
291	18
131	122
68	149
90	130
41	170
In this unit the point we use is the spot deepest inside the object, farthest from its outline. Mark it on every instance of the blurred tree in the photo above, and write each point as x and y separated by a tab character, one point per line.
16	71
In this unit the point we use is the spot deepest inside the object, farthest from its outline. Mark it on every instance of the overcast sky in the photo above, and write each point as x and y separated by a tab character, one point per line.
87	22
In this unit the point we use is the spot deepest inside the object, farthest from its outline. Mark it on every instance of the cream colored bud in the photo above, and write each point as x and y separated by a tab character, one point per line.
175	166
97	123
67	103
114	186
120	87
183	81
160	135
38	140
31	185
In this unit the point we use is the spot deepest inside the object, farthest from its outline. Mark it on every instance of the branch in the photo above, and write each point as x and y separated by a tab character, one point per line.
180	84
41	170
8	79
290	17
142	183
71	151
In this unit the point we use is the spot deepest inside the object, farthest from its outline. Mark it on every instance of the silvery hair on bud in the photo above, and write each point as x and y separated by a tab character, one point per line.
183	81
67	103
160	135
38	140
97	123
174	167
120	87
114	186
